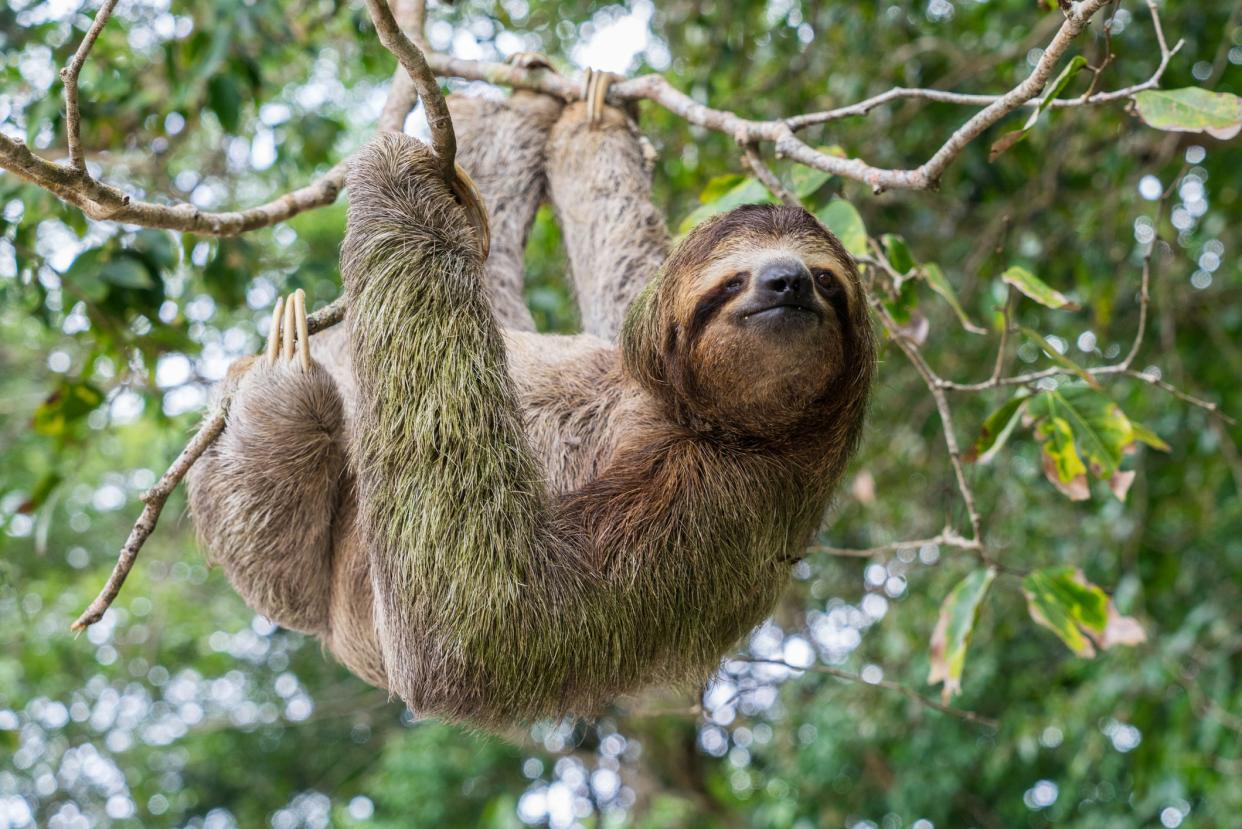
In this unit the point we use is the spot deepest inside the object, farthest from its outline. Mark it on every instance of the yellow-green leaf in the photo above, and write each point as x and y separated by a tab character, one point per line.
841	218
1191	109
1035	288
954	627
717	186
1063	467
1079	613
1147	436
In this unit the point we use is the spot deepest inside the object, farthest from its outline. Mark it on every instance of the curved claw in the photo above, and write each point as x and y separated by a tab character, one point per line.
273	334
299	303
595	86
289	330
476	211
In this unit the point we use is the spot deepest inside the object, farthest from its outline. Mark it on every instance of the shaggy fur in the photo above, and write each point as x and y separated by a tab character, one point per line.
499	526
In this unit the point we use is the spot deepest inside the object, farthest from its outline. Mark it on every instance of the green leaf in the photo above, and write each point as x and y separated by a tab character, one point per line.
746	191
954	627
1063	467
1057	87
898	253
1054	91
127	272
904	303
841	218
1191	109
40	492
84	275
1035	288
1062	600
804	181
156	246
225	100
1100	427
996	430
941	285
1059	358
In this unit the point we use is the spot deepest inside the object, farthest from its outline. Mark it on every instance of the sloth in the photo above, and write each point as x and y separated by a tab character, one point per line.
498	525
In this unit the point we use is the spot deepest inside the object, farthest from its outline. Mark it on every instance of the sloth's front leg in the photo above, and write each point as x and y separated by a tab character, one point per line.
264	495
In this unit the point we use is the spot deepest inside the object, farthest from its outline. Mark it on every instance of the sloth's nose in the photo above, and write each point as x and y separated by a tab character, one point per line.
786	279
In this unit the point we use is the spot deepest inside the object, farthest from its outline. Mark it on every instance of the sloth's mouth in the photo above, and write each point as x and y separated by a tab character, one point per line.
781	310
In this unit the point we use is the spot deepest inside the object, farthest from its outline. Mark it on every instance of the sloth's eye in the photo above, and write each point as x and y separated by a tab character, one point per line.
735	282
825	280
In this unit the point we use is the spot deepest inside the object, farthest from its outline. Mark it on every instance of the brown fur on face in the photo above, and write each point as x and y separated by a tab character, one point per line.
704	338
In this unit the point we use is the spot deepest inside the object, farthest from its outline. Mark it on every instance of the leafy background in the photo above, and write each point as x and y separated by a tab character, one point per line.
183	708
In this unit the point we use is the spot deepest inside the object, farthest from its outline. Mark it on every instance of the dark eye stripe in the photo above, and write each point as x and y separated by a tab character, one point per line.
712	302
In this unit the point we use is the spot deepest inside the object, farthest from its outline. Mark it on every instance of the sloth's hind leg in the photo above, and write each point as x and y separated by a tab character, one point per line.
264	495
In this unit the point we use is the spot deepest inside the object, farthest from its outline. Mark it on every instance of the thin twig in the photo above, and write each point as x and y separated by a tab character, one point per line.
908	693
750	154
1097	71
799	122
69	75
1011	300
949	537
934	387
154	499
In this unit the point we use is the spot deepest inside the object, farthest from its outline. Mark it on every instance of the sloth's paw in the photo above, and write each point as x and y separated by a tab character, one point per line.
288	334
595	86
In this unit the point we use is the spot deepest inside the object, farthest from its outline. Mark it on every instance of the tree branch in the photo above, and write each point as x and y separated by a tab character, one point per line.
1092	98
69	75
948	537
443	140
104	202
101	201
411	16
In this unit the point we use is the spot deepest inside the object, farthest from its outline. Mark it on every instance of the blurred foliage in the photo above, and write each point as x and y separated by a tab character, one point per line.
182	708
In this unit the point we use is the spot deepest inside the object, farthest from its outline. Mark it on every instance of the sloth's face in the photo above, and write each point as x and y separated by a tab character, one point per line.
764	321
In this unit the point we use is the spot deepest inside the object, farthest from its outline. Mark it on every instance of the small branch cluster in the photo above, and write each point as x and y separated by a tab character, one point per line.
908	693
939	387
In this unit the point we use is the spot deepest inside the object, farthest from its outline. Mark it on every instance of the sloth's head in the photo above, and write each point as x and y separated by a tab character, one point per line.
756	323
